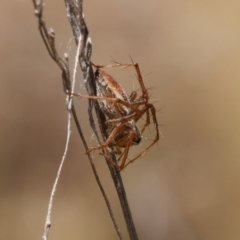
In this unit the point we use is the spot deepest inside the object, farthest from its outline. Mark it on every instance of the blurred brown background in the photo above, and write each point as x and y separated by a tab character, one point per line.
187	187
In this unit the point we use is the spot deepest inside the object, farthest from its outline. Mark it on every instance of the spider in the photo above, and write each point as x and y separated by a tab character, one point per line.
122	112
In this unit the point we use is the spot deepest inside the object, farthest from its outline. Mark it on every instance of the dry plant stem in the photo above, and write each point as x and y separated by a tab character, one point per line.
49	40
79	27
48	218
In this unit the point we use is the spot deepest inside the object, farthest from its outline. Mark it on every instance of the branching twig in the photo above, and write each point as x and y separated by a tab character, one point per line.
79	27
80	32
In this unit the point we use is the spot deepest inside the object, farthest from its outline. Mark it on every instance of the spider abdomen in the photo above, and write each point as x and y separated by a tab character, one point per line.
109	88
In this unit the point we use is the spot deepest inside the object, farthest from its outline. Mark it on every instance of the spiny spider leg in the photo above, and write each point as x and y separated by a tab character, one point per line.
153	112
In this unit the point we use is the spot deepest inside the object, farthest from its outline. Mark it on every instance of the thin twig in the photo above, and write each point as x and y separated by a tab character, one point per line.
54	188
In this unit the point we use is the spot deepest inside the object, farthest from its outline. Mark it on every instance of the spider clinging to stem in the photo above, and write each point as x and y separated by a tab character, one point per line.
122	112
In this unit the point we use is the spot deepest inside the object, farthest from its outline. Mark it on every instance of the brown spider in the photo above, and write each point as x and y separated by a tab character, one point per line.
123	112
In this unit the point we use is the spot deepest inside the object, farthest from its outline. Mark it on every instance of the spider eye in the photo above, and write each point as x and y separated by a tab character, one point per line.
137	140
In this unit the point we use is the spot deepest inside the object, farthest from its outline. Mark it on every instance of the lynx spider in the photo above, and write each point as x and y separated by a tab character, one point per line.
123	112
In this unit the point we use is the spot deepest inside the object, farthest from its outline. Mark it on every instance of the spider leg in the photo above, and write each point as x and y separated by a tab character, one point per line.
124	154
110	122
147	121
133	96
137	69
96	97
109	139
126	151
110	160
107	66
140	80
153	112
115	100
